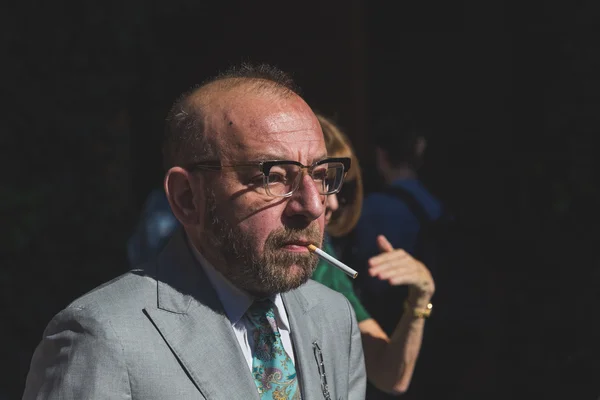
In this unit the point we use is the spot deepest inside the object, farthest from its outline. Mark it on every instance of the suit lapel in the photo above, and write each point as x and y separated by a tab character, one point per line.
191	319
297	307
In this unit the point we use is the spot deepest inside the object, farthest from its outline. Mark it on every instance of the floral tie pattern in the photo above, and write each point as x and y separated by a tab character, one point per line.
273	370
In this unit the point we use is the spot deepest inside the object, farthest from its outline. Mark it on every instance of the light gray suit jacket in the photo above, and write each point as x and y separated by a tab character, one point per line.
161	333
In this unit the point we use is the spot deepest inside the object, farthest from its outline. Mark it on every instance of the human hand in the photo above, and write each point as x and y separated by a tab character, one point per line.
399	268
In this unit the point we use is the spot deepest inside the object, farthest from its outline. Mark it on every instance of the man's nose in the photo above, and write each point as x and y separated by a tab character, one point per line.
306	200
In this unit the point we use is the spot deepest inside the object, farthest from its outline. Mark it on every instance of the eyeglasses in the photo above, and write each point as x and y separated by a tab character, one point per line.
282	178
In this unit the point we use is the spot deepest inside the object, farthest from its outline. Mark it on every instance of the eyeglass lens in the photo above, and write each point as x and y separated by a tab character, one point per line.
284	179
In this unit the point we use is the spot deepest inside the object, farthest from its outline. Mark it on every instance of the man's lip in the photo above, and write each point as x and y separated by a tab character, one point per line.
298	243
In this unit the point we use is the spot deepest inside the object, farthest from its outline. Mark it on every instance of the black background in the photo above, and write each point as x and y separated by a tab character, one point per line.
510	92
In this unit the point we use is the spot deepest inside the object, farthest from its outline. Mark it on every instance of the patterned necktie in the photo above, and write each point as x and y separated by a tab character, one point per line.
272	368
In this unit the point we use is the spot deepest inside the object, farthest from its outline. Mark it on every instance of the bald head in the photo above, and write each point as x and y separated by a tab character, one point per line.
200	114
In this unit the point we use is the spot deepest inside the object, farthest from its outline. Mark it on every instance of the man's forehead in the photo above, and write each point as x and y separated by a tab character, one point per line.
303	148
289	121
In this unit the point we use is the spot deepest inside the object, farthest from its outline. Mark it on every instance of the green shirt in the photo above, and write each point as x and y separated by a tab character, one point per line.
337	280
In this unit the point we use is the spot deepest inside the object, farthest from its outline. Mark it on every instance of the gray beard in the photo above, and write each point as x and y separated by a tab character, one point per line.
260	274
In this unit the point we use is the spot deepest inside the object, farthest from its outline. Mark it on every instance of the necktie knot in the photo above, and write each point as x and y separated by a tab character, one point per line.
262	315
261	307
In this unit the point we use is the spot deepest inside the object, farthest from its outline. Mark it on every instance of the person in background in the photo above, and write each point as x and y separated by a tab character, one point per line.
227	310
393	211
390	359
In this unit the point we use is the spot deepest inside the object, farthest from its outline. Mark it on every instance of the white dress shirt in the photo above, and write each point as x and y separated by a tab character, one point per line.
236	302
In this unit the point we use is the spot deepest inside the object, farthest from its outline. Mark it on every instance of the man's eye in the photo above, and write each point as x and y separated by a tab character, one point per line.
276	178
320	174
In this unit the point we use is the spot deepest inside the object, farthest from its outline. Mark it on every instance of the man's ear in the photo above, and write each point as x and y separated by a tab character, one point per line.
178	188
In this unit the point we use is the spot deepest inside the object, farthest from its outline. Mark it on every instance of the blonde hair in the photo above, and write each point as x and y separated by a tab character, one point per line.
338	145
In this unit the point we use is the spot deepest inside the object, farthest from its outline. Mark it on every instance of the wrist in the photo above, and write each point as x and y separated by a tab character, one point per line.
418	311
418	299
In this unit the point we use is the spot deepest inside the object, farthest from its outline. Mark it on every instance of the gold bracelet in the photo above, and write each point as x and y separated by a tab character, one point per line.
419	312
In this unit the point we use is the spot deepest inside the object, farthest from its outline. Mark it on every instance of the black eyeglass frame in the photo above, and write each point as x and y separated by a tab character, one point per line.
265	168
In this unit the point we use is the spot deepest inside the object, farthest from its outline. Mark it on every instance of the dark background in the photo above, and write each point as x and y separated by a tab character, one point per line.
510	91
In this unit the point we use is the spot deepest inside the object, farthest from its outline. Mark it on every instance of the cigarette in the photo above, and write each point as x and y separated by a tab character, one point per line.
336	263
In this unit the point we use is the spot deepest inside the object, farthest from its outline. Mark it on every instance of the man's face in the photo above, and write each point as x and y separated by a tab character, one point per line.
262	239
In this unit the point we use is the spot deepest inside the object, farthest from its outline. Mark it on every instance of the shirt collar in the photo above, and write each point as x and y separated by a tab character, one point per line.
234	300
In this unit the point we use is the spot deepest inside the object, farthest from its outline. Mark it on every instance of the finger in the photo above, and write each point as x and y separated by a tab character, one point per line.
408	280
388	256
417	279
404	263
400	278
411	279
384	244
391	266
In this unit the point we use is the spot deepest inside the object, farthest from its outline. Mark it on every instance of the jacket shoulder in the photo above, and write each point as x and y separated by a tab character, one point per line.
134	288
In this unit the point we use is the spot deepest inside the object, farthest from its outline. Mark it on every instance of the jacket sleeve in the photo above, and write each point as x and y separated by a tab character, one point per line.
357	375
79	357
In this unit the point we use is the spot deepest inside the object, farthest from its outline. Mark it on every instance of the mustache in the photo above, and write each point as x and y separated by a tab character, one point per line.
282	236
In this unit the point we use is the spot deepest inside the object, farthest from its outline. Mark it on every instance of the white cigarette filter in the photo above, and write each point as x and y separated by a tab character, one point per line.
333	261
